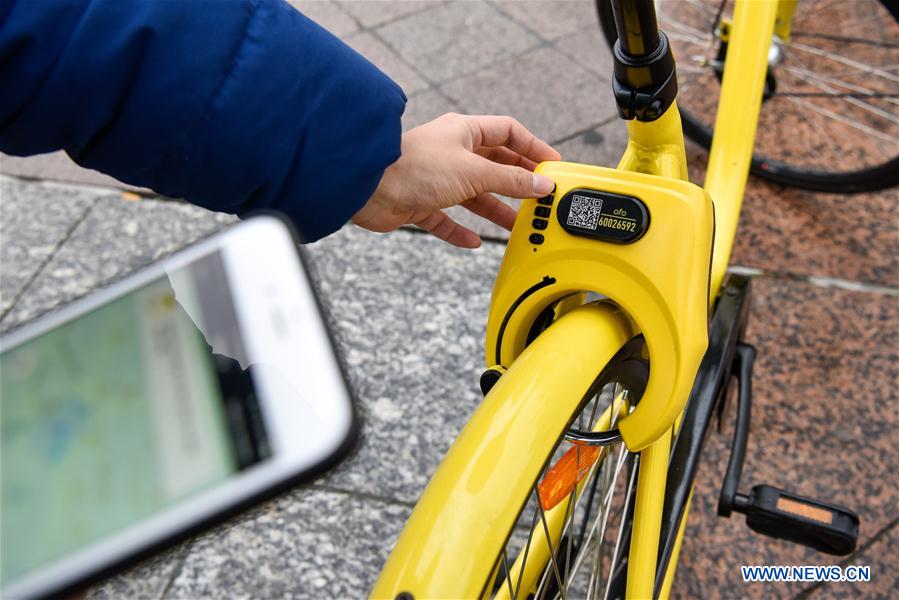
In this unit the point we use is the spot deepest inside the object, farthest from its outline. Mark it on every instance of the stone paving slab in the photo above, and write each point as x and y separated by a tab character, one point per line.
824	377
548	92
371	13
549	20
309	543
329	15
601	145
811	234
425	107
880	556
379	54
453	40
409	313
116	237
149	579
827	357
588	48
34	220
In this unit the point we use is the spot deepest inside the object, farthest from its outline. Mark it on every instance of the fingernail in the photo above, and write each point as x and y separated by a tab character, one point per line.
543	185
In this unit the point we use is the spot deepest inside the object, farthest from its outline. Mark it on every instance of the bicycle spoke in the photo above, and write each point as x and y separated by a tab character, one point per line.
894	67
549	541
596	572
605	518
604	501
508	574
843	39
833	80
524	559
837	117
572	506
592	419
543	581
846	61
702	8
627	504
854	101
564	525
564	577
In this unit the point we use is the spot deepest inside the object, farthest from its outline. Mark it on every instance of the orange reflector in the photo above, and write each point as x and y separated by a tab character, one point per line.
565	474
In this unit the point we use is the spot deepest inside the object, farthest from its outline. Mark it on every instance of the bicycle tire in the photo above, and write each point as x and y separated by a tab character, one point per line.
872	179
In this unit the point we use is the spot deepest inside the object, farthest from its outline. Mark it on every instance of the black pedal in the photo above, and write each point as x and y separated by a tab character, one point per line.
773	512
770	511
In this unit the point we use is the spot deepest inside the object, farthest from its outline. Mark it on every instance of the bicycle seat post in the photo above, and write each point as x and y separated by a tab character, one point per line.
645	84
638	29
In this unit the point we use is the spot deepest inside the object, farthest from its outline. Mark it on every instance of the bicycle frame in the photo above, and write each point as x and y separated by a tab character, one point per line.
736	122
500	451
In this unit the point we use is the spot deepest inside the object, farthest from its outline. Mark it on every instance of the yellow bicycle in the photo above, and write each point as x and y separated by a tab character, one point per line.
613	336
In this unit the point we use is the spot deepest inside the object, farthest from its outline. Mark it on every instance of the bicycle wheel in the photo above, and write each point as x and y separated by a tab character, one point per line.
473	515
573	543
830	116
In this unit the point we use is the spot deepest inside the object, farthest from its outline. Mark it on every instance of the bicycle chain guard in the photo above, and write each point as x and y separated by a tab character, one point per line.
643	241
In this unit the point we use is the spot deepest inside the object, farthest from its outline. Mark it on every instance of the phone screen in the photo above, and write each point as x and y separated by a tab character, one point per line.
122	412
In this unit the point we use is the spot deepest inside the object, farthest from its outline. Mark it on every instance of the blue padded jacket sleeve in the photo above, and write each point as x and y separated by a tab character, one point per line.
234	105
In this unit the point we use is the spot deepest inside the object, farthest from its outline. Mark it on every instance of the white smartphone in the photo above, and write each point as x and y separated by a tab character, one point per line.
161	404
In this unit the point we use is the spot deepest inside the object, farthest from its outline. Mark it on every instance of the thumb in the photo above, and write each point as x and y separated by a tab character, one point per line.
512	181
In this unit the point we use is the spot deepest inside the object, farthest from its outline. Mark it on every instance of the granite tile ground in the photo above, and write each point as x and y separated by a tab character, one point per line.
412	335
528	58
410	314
371	13
328	14
376	51
547	91
824	380
149	579
810	234
455	39
115	237
602	146
34	221
587	47
549	20
425	107
309	543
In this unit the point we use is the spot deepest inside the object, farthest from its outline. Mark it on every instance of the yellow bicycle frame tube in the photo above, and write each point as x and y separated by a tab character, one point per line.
736	122
450	544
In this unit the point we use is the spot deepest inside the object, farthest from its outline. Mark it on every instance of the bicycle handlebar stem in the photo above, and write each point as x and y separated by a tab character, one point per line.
645	83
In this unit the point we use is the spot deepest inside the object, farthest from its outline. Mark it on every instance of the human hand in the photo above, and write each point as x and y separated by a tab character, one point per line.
458	159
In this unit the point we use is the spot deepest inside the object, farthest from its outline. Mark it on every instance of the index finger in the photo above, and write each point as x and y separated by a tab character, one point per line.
490	130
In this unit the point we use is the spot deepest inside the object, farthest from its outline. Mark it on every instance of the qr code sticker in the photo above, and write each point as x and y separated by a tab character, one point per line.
584	212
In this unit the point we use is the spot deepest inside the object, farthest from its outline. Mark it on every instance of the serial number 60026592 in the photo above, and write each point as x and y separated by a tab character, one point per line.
613	223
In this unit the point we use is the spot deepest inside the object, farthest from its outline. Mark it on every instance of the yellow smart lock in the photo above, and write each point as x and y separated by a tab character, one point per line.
643	241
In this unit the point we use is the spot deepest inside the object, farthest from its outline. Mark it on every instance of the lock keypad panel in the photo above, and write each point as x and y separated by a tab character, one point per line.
603	215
